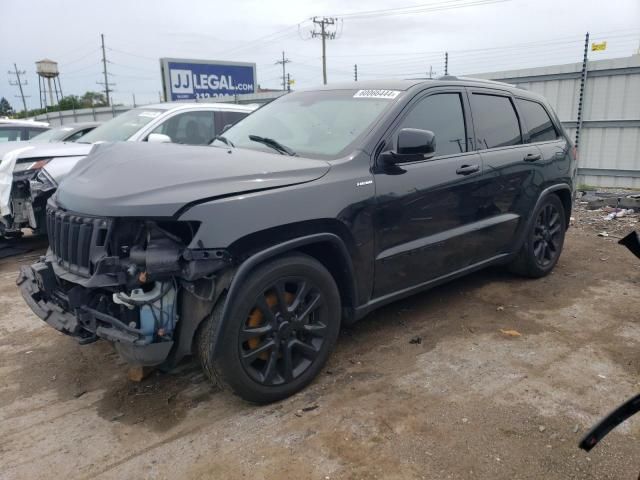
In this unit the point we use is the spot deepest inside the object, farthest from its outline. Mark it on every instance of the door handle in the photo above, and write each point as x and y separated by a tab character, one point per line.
532	157
467	169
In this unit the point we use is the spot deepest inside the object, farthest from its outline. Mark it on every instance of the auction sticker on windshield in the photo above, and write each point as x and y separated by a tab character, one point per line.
377	94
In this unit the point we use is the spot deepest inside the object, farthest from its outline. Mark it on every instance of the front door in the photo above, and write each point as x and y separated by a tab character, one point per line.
428	210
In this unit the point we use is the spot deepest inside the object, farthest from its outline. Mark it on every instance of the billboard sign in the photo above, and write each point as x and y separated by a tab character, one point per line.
184	79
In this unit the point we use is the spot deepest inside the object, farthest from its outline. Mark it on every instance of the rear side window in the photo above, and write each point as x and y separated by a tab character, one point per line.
32	132
537	120
495	121
442	114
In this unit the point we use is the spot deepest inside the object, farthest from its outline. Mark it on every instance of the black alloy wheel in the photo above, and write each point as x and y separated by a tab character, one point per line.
548	235
543	240
284	331
280	330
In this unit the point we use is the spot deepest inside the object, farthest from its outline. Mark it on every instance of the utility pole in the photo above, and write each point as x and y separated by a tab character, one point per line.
583	84
283	62
19	83
107	90
355	72
324	34
446	63
431	72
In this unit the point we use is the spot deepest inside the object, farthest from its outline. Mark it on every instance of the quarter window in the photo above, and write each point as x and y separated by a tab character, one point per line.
443	115
495	121
537	120
229	118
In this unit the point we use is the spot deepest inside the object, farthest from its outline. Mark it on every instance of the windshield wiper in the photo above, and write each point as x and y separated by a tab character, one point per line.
224	140
270	142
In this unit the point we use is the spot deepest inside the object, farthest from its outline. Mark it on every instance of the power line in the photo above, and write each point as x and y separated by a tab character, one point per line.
18	82
324	34
424	8
76	60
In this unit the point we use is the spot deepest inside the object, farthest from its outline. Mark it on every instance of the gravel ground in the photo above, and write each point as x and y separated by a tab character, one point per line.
430	387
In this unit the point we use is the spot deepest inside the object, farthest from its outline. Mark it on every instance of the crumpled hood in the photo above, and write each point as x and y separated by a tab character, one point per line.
44	150
13	152
156	180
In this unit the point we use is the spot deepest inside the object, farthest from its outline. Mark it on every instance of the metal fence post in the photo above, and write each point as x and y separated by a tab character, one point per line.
583	84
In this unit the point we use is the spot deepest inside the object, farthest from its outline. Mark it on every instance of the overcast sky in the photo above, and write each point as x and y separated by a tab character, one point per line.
479	38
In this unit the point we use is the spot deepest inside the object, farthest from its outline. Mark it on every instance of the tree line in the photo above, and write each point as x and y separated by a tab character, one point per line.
70	102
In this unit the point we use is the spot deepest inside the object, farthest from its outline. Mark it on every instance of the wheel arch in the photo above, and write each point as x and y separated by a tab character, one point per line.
326	247
563	191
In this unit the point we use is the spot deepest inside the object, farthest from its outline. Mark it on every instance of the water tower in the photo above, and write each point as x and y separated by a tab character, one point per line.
48	74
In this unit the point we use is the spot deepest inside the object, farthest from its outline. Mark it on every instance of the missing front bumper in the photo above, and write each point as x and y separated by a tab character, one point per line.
39	289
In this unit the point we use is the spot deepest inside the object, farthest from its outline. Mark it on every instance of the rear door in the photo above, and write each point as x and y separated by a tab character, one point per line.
509	174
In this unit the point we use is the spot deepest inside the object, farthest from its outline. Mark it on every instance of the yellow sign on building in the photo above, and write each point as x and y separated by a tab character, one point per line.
595	47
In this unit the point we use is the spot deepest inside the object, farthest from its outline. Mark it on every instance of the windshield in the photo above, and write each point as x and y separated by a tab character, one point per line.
122	127
52	135
319	124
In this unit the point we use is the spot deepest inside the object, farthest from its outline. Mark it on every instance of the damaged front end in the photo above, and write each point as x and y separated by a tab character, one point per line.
31	189
133	282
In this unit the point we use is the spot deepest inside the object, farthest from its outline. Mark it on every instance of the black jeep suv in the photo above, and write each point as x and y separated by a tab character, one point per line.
308	214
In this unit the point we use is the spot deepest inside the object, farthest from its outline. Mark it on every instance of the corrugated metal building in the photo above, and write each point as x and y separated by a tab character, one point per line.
609	148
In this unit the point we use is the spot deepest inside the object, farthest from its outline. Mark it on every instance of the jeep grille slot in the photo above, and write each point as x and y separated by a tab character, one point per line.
73	239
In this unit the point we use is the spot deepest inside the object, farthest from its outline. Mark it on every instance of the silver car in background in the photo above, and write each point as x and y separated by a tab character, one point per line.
64	133
29	174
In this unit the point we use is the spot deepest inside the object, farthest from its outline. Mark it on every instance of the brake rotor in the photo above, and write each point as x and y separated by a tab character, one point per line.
256	318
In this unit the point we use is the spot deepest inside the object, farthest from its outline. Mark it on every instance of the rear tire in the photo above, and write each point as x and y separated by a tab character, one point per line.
543	241
280	332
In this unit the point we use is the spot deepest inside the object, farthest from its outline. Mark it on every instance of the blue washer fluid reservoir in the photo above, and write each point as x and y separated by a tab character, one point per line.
157	309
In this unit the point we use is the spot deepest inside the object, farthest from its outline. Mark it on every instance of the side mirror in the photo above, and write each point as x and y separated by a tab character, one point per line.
413	145
158	138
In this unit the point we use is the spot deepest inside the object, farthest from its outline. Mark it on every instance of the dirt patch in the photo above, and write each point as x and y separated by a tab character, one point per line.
429	387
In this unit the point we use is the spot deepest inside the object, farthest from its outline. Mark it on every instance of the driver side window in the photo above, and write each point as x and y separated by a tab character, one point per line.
189	128
442	114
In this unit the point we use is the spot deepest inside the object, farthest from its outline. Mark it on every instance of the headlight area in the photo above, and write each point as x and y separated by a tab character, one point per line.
32	186
136	284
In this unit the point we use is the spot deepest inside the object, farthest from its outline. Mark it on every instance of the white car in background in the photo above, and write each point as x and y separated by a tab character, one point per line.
20	130
30	174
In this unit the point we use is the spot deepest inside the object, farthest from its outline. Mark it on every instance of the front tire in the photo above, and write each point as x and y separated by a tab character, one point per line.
280	332
544	240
